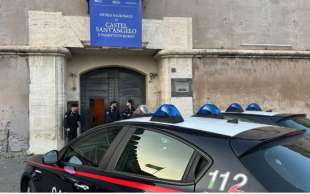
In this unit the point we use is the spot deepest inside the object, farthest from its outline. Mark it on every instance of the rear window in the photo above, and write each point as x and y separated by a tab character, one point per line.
283	167
155	155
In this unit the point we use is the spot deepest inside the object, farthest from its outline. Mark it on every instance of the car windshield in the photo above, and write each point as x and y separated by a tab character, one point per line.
283	167
297	123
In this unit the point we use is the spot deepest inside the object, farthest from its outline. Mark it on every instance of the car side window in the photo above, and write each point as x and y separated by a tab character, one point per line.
90	149
155	155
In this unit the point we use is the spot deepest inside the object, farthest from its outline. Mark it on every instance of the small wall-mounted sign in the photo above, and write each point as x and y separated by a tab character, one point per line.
181	87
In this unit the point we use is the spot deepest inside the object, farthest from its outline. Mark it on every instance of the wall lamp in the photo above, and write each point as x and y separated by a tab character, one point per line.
73	78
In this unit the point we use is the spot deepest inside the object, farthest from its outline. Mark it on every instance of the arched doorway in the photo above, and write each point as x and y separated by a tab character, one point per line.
101	86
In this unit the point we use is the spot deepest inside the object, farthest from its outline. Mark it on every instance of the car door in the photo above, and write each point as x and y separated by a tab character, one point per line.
81	162
151	161
46	178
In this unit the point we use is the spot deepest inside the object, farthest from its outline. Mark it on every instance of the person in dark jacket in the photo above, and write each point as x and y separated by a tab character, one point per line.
72	122
113	112
128	112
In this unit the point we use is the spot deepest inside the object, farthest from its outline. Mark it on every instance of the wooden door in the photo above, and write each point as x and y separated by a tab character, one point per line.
97	110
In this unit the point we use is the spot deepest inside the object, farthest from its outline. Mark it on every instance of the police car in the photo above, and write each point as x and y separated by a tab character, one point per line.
169	153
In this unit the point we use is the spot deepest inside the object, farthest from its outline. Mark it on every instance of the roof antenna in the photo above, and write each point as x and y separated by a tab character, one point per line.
234	121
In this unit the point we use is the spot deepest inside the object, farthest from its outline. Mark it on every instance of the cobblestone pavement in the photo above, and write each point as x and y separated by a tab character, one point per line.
10	173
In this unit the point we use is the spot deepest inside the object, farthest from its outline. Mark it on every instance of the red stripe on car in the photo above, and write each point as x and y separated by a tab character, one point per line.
121	182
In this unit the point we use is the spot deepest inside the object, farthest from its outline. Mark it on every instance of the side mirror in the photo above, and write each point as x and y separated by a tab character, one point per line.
51	157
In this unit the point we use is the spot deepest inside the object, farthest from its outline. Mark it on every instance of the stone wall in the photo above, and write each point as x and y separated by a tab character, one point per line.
238	23
216	23
46	99
14	16
14	118
182	68
53	29
278	82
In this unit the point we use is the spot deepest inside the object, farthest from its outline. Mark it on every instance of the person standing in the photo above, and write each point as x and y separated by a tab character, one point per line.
72	122
113	112
128	112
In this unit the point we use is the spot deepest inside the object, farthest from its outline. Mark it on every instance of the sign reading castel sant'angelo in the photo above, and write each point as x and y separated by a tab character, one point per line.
116	23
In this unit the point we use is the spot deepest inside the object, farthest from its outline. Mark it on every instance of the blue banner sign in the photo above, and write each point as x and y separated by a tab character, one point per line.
116	23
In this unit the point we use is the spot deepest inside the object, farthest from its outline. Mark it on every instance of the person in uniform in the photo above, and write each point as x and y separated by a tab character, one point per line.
128	112
72	122
113	112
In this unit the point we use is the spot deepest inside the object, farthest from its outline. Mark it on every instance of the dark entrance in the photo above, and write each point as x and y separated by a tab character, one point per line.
101	86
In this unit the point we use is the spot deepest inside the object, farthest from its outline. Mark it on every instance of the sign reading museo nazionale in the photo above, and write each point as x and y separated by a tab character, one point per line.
116	23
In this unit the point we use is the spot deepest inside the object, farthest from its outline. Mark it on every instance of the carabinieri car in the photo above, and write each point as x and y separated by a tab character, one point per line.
169	153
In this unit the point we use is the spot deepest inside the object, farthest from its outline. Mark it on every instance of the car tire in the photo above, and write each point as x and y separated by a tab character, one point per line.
30	187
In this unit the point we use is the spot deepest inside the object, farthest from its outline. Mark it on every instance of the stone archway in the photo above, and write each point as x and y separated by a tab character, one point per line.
99	87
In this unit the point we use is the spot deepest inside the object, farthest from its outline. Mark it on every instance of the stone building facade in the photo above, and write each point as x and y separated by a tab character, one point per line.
233	51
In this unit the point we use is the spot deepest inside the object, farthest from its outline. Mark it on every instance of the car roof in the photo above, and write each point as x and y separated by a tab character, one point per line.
275	115
260	113
210	125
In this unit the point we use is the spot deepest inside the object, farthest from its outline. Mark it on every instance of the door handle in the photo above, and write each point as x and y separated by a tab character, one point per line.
81	186
38	171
